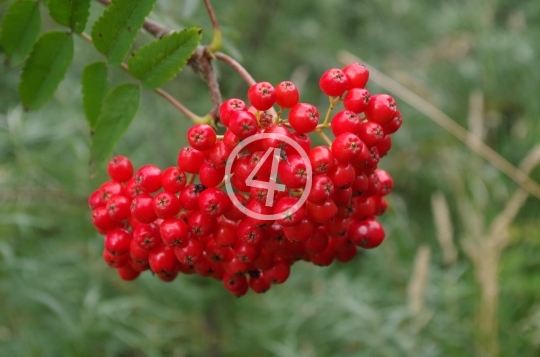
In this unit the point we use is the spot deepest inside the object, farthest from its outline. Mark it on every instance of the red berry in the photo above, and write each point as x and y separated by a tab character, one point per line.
243	124
190	159
246	252
293	216
371	133
219	154
299	232
345	121
262	95
385	181
228	107
201	225
115	261
317	242
384	146
214	202
278	274
119	207
201	137
166	205
321	213
357	75
210	174
333	82
142	208
190	252
346	147
293	172
120	169
366	234
110	189
102	221
304	117
321	159
189	197
128	273
356	100
381	109
287	95
173	231
342	175
148	177
173	180
146	236
259	283
394	124
163	260
225	233
117	241
322	188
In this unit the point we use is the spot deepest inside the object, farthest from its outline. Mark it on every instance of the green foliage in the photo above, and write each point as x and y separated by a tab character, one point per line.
114	32
95	85
45	67
117	111
71	13
18	29
160	61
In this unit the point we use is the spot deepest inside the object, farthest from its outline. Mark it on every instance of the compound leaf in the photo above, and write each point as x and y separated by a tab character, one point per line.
45	67
95	85
117	111
19	29
71	13
114	32
159	61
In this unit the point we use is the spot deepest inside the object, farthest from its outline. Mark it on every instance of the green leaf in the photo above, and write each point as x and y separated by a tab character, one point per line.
159	61
18	29
114	31
95	85
118	110
45	67
71	13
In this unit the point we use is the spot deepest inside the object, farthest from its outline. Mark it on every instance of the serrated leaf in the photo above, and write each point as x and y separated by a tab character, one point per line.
19	28
71	13
114	32
159	61
45	67
95	85
117	111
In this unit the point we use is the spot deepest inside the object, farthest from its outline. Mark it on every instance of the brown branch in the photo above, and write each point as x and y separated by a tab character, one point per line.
215	45
237	67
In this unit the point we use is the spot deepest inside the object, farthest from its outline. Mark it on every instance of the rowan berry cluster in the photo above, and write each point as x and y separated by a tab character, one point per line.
244	213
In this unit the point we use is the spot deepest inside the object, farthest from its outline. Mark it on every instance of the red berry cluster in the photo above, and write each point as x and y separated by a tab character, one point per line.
183	220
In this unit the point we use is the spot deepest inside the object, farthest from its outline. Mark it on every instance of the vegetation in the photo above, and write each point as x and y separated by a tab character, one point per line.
458	272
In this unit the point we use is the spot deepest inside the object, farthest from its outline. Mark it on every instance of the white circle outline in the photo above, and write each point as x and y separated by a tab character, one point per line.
244	209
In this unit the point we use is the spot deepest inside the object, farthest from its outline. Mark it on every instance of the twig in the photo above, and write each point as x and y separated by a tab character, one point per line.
237	67
215	45
447	123
323	135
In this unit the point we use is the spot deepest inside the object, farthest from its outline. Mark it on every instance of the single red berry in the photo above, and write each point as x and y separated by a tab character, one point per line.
201	225
338	226
324	258
303	140
342	196
219	154
132	190
278	274
292	215
119	208
117	241
293	172
246	252
201	137
138	255
190	159
189	196
259	283
366	234
95	200
173	180
385	181
234	213
120	169
248	232
148	177
321	159
243	124
275	238
317	242
347	255
304	117
322	188
262	95
146	236
356	100
115	261
381	205
381	109
234	282
235	266
321	213
345	121
342	175
225	233
173	231
163	260
230	140
102	221
166	205
142	208
333	82
215	252
128	273
384	146
299	232
265	260
211	174
394	124
190	252
228	107
287	95
357	75
275	142
360	184
371	133
346	147
213	202
110	189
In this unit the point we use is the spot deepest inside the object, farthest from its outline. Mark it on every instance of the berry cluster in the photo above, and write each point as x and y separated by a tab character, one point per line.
244	213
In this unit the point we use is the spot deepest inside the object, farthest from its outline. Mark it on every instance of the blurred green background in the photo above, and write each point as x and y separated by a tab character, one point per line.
442	284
